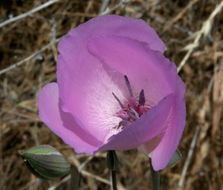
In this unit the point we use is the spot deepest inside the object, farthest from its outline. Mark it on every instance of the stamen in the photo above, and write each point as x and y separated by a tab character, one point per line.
128	85
130	109
120	103
134	112
142	99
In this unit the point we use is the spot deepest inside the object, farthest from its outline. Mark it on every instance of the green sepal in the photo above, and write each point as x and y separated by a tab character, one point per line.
46	162
175	158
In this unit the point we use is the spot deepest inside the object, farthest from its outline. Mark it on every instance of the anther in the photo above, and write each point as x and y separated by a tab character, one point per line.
128	85
142	99
120	103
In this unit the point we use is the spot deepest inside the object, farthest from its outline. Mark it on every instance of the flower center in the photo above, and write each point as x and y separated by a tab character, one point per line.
133	108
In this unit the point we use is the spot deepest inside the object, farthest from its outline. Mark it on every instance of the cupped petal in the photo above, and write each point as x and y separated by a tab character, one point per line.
149	126
150	145
162	154
136	29
145	68
48	103
86	93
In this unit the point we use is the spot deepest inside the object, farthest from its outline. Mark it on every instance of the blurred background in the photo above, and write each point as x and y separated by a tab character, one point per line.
193	33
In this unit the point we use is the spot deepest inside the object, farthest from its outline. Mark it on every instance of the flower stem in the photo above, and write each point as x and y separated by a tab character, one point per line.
155	177
75	179
112	164
113	180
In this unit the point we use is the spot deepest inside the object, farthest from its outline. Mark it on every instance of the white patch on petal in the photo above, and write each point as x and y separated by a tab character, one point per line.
101	106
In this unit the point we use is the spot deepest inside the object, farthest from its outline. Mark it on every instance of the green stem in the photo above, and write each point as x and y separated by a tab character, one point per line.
155	178
113	180
112	164
75	179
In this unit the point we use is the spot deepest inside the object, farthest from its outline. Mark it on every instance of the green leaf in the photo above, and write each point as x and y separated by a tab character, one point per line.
175	158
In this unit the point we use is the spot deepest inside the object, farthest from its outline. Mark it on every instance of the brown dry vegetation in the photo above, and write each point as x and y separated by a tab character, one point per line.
189	28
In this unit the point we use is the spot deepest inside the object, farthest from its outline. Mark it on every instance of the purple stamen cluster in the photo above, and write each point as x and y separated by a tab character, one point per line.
132	109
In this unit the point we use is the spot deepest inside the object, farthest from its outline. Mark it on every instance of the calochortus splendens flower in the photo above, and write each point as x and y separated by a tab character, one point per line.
115	90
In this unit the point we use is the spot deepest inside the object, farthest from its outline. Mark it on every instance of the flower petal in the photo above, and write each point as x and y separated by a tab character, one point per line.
150	145
174	129
136	29
145	68
48	102
142	130
86	93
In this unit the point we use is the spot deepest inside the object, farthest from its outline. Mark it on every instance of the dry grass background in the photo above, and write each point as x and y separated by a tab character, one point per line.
193	33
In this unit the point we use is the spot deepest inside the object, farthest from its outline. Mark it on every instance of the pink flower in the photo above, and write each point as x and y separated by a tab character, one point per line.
115	90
